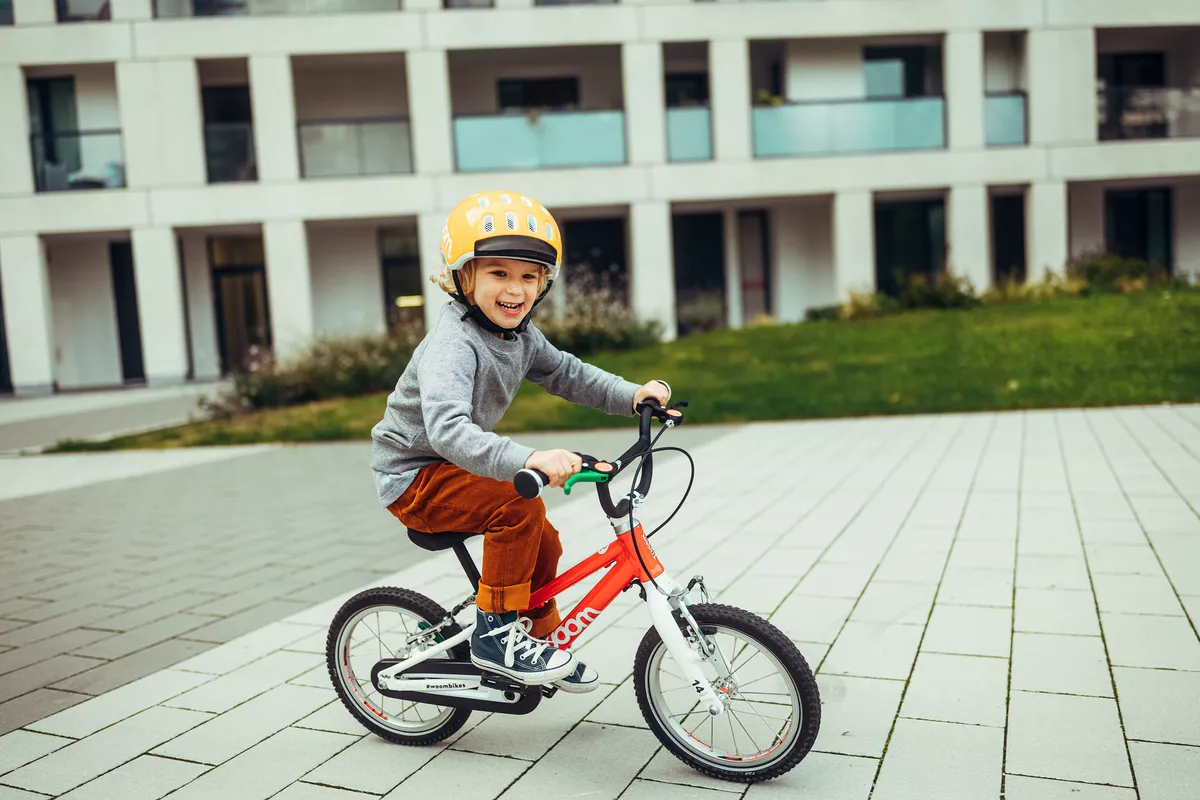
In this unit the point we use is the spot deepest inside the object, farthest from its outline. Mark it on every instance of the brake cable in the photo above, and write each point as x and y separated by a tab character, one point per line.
637	474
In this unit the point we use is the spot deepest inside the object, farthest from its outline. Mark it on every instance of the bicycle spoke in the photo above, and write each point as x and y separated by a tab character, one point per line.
737	751
753	741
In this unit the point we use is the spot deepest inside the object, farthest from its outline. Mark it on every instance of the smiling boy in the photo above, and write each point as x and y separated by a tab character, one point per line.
437	464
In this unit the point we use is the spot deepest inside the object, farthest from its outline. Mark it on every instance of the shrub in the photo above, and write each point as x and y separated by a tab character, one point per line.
593	317
699	311
823	314
1108	272
946	290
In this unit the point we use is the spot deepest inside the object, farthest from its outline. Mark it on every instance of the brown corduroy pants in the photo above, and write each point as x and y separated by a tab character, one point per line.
520	547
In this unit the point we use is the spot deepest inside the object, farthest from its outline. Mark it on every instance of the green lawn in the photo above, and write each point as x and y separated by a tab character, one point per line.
1108	350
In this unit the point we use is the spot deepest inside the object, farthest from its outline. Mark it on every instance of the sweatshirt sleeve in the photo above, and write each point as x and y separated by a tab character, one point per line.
564	375
446	377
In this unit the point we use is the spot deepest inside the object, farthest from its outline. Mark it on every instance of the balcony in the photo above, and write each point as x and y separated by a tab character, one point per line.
240	8
1151	112
467	3
574	2
82	10
1004	119
229	150
849	126
6	12
539	140
689	133
78	160
348	148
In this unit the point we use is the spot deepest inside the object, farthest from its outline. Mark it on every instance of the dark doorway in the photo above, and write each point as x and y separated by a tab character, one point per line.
1008	238
754	244
1137	224
54	131
596	247
404	303
910	239
228	134
686	89
699	246
1128	111
120	257
5	374
240	299
546	93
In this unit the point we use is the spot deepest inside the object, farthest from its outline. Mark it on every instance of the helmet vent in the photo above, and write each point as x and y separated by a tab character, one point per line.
484	202
505	198
511	220
549	232
489	223
527	201
529	220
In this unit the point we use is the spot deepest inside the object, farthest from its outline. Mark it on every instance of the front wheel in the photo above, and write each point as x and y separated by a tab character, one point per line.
772	705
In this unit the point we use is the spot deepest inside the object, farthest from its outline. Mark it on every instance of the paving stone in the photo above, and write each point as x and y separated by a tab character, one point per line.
1056	611
242	623
1019	787
822	775
26	634
836	580
18	607
642	789
372	765
856	714
601	757
95	755
140	638
99	712
153	612
1070	738
964	689
1159	705
144	778
333	717
1166	771
225	692
505	735
907	603
976	587
266	768
982	554
109	675
35	676
969	759
790	563
228	734
910	567
968	630
310	791
1048	540
1136	594
1112	559
918	538
874	650
620	707
812	619
490	775
1052	572
665	769
1044	662
27	708
8	793
48	648
757	593
611	653
19	748
240	652
1136	640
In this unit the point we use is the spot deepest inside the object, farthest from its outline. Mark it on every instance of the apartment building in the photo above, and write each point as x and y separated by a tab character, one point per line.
182	181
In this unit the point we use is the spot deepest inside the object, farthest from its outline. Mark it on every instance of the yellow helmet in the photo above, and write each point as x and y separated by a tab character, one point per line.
503	225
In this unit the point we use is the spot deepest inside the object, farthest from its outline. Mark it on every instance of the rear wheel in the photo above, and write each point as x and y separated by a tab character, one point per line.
772	705
375	625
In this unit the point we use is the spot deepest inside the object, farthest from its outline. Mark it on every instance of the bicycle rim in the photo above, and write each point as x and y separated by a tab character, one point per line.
371	635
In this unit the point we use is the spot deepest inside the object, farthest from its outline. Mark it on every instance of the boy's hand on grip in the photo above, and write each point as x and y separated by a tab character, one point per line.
659	390
557	464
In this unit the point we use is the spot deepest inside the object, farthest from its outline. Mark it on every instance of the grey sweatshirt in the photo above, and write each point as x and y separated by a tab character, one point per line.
459	383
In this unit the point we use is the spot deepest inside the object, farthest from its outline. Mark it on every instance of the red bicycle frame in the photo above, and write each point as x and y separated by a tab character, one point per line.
625	569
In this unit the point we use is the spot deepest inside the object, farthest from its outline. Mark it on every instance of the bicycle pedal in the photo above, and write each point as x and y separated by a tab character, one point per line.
549	691
501	683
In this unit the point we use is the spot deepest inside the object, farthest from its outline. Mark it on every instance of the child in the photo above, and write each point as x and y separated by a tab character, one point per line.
437	465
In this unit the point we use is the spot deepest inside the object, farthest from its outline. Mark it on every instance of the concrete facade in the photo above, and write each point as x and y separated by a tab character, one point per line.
363	119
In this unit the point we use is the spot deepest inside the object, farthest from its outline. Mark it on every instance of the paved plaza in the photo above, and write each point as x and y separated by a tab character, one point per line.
996	605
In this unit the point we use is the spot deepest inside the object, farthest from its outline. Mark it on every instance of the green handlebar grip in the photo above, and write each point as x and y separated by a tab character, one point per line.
584	477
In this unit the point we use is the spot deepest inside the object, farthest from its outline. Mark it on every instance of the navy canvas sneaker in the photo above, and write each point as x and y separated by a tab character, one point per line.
501	644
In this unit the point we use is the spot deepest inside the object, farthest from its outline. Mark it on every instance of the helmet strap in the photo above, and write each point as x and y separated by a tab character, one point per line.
481	319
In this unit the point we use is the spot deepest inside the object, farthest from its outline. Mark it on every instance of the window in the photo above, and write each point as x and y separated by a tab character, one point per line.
548	93
6	12
228	133
910	239
404	303
1008	237
687	89
1137	224
905	71
55	131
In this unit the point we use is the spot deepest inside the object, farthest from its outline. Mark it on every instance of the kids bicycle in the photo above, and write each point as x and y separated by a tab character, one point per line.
724	690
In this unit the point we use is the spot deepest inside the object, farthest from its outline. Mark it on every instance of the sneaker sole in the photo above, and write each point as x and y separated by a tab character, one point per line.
528	678
576	688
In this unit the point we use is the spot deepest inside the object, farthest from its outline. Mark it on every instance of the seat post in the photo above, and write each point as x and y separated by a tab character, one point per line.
468	565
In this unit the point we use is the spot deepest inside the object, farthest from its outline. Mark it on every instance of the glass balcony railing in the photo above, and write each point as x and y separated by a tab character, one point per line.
467	3
689	133
849	126
239	8
1151	112
346	148
573	2
539	140
1004	119
82	10
229	151
78	160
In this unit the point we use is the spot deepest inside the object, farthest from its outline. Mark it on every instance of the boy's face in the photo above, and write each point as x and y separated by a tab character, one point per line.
505	289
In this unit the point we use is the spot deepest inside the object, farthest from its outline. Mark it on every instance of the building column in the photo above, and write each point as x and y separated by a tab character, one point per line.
645	102
509	4
729	75
198	280
131	10
422	5
965	89
652	273
970	252
429	238
25	288
1061	68
733	269
16	165
274	107
289	287
159	292
429	101
34	12
162	124
854	242
1046	223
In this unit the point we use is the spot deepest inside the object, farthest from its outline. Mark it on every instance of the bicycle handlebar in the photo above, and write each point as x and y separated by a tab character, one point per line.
529	482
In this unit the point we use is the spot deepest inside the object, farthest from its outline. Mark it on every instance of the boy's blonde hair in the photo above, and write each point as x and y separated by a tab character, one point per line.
466	276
